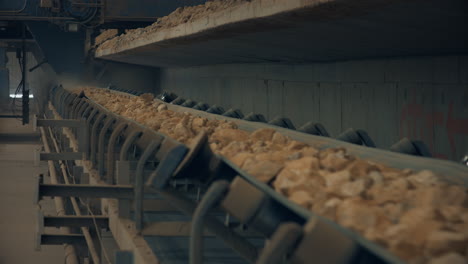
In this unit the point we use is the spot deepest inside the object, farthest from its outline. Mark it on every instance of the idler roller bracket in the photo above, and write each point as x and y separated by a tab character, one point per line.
314	129
282	122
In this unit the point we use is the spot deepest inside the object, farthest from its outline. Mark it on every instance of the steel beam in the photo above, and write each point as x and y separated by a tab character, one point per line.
92	191
76	221
70	251
60	239
72	123
88	191
61	156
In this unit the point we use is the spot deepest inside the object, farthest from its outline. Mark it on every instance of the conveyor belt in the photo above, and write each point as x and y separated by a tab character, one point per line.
182	175
453	171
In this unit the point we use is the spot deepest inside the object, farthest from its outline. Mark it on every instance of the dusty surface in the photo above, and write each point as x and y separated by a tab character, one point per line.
413	214
179	16
105	35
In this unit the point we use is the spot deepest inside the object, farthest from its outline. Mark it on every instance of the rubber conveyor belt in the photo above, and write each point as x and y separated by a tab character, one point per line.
70	106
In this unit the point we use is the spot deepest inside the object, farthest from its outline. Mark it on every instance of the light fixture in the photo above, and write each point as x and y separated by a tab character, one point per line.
19	96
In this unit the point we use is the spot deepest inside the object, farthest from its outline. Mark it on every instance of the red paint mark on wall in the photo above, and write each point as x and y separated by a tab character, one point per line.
420	123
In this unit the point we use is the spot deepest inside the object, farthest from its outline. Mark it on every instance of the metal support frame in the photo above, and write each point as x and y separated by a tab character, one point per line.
214	109
78	174
89	124
358	137
93	245
282	122
214	194
101	144
79	111
111	153
94	137
123	177
212	224
314	240
59	206
411	147
314	129
80	126
121	228
76	221
255	118
71	123
138	198
123	171
86	191
61	156
55	239
234	113
160	177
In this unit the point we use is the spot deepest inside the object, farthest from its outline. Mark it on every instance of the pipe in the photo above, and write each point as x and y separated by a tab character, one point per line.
76	208
70	252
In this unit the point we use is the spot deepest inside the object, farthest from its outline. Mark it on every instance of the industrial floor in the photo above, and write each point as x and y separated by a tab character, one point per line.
18	212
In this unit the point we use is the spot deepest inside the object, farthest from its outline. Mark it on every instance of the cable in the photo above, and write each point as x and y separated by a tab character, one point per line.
97	233
92	16
84	16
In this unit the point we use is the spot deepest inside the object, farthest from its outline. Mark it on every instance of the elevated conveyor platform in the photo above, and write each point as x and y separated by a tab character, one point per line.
264	31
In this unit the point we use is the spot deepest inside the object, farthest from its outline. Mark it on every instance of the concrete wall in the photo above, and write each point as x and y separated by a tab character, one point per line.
127	76
422	98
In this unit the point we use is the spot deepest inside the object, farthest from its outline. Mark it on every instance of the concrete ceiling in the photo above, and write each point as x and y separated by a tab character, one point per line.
342	31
